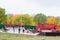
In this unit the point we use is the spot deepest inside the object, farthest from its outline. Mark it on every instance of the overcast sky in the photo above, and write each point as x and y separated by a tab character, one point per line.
32	7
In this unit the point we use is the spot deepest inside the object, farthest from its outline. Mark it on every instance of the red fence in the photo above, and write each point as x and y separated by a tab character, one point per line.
47	26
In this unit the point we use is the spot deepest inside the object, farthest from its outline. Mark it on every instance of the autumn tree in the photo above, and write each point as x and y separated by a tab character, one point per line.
17	20
51	20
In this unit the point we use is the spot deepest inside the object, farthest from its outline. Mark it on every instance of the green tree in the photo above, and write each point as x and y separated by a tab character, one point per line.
8	21
3	16
32	21
40	18
26	19
58	20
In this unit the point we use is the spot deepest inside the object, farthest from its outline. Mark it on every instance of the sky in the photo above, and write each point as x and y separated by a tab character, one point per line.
32	7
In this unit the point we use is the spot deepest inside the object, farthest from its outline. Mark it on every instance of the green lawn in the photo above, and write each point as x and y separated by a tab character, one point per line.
7	36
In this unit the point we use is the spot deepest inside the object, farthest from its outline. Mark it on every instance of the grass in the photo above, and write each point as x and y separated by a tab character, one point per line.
7	36
1	29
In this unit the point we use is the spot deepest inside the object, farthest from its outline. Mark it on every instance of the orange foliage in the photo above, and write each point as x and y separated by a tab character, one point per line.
14	18
51	20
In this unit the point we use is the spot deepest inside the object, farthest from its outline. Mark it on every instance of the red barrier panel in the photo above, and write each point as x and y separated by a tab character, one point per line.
58	28
45	26
41	26
51	26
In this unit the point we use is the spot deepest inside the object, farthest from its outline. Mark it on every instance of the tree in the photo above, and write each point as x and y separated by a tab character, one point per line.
15	19
58	20
26	19
40	18
3	16
32	21
18	20
9	19
51	20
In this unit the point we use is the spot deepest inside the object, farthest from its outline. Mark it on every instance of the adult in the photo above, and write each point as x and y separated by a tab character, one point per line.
19	30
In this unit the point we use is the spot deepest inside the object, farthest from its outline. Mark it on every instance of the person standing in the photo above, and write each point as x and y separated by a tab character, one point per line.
23	29
19	30
13	28
5	28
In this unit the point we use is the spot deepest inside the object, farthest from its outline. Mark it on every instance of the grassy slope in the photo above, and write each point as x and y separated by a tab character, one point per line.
6	36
